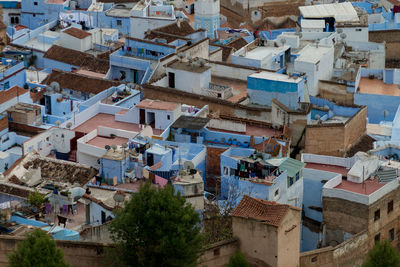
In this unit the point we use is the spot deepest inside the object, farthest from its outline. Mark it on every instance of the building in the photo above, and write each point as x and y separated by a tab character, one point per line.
264	86
146	15
269	232
207	16
11	12
189	184
25	114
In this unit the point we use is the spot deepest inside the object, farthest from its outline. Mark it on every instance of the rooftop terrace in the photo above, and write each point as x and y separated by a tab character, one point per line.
377	87
367	188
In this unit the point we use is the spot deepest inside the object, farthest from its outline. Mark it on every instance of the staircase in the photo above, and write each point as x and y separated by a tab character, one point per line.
386	176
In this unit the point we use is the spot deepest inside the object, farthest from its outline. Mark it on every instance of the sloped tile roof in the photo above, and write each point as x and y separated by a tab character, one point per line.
76	58
268	212
11	93
77	33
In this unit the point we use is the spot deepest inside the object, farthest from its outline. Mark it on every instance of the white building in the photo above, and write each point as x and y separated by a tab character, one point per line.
145	15
76	39
316	62
207	16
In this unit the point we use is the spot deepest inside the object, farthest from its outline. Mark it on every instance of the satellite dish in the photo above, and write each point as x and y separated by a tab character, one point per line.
107	147
343	36
339	31
124	145
114	147
49	89
189	58
58	123
300	35
188	165
118	197
181	173
69	125
55	86
131	85
181	55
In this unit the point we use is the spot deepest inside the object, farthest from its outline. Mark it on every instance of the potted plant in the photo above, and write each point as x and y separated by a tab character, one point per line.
234	141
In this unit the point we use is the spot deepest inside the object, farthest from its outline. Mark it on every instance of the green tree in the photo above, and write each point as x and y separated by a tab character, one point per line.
37	249
157	228
238	260
35	199
383	254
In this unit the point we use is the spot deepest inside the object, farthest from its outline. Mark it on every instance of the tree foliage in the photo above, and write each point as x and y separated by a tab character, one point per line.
37	249
383	254
157	228
238	260
35	199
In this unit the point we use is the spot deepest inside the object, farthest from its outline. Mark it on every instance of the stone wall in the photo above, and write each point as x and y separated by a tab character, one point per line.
347	254
218	254
392	39
335	139
336	211
335	92
78	254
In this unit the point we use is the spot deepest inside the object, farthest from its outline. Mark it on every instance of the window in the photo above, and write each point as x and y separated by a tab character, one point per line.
358	30
391	234
12	20
119	22
219	95
297	176
35	3
34	15
377	238
377	215
216	252
168	117
225	171
390	206
290	181
314	259
6	85
277	192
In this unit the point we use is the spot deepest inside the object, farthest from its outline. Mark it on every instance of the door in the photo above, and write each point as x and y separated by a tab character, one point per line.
135	76
87	211
103	217
47	101
171	79
150	159
142	115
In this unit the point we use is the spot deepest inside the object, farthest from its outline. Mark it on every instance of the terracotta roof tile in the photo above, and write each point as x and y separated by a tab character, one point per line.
77	33
11	93
78	82
237	43
76	58
178	29
268	212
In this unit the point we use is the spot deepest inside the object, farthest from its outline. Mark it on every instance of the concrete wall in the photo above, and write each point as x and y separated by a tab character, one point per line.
218	254
78	254
347	254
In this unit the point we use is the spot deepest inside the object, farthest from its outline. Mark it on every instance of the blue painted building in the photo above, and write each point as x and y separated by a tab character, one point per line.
12	73
262	87
136	61
207	16
35	13
245	171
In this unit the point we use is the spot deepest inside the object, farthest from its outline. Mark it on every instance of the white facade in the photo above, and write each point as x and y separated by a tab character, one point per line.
354	34
317	64
71	42
191	82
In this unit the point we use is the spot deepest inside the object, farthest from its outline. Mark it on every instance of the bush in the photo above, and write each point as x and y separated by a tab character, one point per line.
238	260
383	254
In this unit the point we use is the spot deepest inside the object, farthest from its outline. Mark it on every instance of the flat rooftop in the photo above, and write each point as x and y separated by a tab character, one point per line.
367	188
108	120
313	54
102	141
275	77
239	88
261	52
252	130
329	168
377	87
186	66
121	10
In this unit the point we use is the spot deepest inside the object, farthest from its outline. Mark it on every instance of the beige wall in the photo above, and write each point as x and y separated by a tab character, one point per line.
257	240
348	254
289	239
335	139
336	92
78	254
218	254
